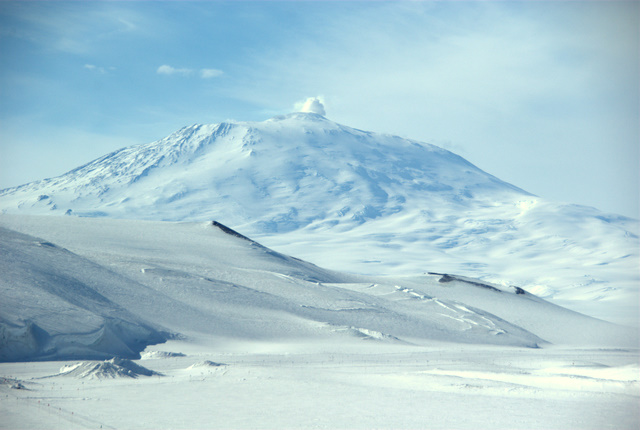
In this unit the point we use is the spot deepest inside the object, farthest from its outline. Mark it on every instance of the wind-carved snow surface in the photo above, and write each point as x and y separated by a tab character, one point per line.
360	202
51	305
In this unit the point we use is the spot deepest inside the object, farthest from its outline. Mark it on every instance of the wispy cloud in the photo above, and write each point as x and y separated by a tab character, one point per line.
94	68
168	70
210	73
203	73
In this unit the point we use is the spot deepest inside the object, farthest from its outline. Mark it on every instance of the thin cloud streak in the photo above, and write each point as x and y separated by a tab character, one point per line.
168	70
73	29
95	68
185	72
210	73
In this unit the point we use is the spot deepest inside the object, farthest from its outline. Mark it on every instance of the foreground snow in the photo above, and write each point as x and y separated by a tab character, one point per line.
355	384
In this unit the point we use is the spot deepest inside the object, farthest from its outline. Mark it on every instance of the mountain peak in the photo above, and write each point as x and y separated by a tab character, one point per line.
276	175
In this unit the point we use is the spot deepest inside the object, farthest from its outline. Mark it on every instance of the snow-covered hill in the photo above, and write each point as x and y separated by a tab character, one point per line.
94	288
357	201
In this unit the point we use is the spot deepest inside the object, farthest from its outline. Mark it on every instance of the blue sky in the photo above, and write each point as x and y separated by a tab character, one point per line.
544	95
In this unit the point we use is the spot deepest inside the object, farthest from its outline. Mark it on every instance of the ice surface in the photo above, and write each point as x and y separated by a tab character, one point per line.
52	307
340	385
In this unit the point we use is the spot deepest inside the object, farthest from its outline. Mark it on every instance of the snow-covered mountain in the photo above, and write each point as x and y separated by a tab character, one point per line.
357	201
276	176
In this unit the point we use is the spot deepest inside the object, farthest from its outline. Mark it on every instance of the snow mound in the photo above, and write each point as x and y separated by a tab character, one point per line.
367	334
205	364
109	369
148	355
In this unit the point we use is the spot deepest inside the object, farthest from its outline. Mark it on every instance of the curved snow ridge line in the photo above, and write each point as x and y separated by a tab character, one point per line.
411	292
493	324
471	318
345	309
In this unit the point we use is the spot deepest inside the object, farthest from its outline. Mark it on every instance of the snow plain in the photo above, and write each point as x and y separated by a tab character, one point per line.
334	385
262	340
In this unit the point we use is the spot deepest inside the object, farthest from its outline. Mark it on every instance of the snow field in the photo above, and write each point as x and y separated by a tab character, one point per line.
339	385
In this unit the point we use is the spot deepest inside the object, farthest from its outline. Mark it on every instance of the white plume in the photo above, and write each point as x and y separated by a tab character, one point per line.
313	105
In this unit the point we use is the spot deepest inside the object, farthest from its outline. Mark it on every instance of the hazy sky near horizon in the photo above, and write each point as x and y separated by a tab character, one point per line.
544	95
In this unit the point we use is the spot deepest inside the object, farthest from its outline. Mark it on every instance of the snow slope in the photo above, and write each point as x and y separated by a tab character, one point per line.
98	286
51	306
360	202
